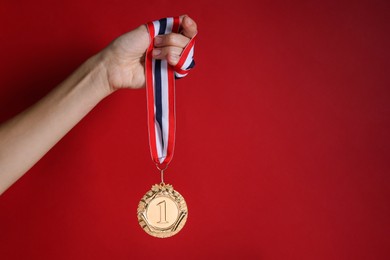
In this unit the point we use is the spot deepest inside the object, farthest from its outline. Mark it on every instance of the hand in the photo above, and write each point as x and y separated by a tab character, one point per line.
124	58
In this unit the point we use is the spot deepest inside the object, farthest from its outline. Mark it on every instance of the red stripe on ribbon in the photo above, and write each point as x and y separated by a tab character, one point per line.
170	87
185	53
150	93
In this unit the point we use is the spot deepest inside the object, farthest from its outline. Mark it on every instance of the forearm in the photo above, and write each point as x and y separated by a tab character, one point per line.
27	137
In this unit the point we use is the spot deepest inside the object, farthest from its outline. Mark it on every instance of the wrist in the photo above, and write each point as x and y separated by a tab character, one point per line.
97	67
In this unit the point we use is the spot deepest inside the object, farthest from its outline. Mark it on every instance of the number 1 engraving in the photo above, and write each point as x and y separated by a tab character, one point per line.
163	212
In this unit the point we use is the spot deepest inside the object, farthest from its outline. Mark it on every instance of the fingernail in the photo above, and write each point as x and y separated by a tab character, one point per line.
174	57
156	52
189	21
158	40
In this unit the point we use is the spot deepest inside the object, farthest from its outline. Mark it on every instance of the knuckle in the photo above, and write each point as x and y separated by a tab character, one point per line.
165	51
176	51
171	39
170	51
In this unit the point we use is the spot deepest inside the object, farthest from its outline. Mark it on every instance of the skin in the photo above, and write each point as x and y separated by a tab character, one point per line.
27	137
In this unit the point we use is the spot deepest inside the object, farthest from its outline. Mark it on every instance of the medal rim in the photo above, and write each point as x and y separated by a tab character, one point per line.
160	190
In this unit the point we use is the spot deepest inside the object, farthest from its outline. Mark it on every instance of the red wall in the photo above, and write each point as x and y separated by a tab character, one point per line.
282	140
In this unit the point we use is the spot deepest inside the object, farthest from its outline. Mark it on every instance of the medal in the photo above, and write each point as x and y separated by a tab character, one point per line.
162	212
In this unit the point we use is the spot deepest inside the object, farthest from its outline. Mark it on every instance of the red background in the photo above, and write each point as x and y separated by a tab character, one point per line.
282	139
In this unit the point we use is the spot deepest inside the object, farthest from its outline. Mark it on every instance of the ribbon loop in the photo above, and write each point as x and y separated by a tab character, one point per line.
160	89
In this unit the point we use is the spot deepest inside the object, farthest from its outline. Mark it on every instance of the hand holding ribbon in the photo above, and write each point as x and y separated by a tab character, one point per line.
124	58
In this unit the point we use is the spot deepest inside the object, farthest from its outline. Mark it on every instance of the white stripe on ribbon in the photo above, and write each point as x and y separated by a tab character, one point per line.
165	108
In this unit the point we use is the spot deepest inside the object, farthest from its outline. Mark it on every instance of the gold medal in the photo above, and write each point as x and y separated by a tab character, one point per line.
162	212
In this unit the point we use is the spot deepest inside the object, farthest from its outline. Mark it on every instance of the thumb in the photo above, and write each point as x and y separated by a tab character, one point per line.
189	26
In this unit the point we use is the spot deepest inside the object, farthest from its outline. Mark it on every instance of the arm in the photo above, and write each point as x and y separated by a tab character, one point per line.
25	138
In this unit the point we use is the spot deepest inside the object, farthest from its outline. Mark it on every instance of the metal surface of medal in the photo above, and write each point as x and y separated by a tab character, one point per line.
162	212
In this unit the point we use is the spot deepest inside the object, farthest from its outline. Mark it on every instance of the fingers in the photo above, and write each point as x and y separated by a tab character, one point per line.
170	46
170	53
189	30
172	39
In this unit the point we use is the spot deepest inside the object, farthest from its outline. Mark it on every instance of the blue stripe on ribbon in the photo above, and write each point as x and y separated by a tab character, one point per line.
192	65
158	84
163	26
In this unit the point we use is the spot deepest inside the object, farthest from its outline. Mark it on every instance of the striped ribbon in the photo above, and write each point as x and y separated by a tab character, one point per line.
160	91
